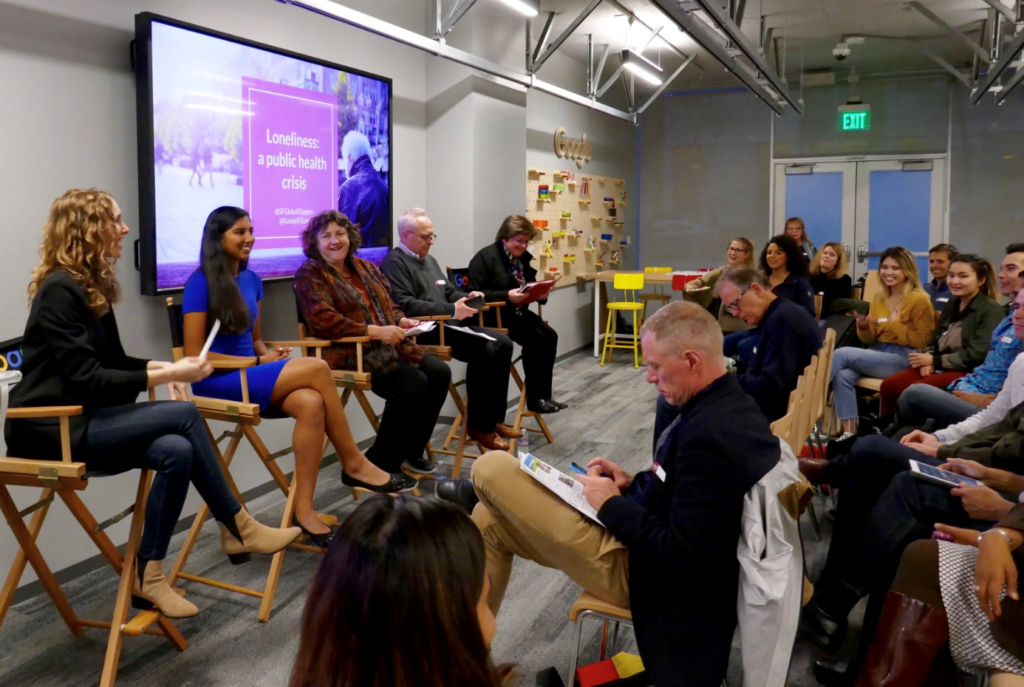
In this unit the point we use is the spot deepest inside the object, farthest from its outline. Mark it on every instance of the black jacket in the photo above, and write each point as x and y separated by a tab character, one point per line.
830	290
798	290
788	341
490	272
981	316
682	534
72	357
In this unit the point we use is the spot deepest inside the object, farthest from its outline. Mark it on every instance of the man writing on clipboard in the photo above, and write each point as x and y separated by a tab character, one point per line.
668	546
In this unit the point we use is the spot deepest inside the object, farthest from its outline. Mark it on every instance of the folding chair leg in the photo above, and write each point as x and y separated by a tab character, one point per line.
29	553
124	589
544	428
277	562
814	520
460	449
609	334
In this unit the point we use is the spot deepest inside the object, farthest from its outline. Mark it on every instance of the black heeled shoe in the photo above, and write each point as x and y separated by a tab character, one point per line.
321	540
398	483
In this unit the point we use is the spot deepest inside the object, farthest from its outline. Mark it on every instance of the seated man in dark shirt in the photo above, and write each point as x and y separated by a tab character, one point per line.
668	546
789	338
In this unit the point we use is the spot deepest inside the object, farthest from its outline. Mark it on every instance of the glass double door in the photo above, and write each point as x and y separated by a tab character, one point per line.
867	205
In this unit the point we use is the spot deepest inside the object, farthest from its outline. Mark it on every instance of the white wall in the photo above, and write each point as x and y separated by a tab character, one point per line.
461	144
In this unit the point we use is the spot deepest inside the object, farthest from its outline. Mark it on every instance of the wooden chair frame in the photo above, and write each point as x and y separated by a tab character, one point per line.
64	479
246	417
357	382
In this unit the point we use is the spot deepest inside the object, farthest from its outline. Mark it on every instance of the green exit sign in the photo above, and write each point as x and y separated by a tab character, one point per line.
854	118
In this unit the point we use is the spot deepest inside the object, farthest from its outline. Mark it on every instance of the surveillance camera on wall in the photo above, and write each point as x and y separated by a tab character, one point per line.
841	51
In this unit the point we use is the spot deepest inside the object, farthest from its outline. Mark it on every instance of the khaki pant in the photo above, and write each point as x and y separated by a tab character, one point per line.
519	517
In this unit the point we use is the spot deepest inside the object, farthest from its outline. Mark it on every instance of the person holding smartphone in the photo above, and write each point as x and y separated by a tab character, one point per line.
419	287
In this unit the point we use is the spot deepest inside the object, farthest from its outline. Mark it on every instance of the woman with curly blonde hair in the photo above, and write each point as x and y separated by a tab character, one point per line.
73	356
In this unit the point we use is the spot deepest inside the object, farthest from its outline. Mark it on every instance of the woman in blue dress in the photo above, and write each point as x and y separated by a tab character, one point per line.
302	388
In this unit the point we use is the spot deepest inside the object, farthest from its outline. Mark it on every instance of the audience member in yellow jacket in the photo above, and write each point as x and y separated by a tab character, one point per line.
899	321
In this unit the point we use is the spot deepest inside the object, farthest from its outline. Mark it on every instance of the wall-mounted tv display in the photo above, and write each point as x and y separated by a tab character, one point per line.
225	121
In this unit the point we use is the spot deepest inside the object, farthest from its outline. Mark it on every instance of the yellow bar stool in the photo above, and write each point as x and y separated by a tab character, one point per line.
658	294
630	284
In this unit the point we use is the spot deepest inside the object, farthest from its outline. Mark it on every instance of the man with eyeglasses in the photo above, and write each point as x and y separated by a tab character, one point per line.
419	287
788	337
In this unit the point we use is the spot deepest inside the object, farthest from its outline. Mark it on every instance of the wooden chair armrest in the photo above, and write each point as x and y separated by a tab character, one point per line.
495	304
431	318
232	364
43	411
353	339
304	343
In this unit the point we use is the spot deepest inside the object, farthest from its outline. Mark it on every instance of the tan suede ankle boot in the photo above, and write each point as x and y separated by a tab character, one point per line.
150	590
245	535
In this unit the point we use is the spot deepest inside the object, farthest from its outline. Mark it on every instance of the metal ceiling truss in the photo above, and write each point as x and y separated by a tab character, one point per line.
1000	57
761	79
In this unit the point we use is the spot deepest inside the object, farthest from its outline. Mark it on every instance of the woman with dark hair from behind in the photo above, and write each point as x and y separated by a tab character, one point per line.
402	583
303	388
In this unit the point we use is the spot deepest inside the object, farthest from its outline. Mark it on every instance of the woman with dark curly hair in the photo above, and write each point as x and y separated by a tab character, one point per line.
225	289
403	582
341	295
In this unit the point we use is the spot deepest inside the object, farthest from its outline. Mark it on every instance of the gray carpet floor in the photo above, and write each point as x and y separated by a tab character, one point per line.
611	414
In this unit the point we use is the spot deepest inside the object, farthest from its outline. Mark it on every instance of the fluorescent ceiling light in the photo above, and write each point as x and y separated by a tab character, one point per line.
531	8
642	67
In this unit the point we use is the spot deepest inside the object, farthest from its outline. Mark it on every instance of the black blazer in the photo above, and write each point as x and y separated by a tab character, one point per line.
831	289
682	534
490	272
71	357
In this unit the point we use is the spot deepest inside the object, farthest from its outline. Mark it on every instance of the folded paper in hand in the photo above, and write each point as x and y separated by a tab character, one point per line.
467	330
421	328
561	484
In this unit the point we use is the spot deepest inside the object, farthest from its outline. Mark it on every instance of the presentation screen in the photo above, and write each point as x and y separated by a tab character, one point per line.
224	121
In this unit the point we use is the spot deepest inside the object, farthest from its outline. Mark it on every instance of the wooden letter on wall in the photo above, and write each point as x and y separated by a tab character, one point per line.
578	150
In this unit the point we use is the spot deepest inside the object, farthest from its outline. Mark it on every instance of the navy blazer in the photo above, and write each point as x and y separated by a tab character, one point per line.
798	290
788	341
682	534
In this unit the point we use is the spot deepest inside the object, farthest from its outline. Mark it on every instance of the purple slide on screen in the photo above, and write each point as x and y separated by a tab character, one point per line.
283	138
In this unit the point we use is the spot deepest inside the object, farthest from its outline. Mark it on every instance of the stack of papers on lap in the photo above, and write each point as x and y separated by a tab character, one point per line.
421	328
467	330
563	486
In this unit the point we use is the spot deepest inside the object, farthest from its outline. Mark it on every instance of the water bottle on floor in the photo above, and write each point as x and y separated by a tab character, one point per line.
523	444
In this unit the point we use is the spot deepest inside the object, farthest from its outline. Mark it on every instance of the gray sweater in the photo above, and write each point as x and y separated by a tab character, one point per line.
419	286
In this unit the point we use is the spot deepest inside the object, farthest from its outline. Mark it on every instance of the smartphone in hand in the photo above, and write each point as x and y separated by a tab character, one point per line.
476	303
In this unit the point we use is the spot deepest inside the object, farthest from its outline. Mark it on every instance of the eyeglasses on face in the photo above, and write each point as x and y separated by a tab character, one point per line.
734	307
429	238
521	240
737	250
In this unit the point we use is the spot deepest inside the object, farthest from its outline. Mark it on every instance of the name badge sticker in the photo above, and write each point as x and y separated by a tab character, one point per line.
882	319
942	300
439	282
1007	339
659	471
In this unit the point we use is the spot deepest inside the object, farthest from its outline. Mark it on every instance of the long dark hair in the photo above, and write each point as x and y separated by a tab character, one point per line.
982	269
796	263
225	300
398	589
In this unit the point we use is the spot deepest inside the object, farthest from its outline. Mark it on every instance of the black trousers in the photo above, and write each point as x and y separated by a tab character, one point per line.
882	509
540	343
414	398
487	373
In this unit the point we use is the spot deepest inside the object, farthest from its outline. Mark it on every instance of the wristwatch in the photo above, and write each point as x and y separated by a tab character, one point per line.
1001	531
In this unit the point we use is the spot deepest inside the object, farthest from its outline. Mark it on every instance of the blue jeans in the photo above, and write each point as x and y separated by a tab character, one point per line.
850	364
167	437
920	403
741	344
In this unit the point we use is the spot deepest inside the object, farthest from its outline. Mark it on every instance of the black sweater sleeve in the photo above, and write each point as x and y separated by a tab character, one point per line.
63	315
483	277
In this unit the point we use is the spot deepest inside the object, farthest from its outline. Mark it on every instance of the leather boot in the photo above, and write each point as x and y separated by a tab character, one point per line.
244	535
150	590
909	635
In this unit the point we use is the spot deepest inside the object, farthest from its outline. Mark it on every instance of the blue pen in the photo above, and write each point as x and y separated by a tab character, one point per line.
580	469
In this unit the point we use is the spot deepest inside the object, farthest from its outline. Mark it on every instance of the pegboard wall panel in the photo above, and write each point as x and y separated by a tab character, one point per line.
580	221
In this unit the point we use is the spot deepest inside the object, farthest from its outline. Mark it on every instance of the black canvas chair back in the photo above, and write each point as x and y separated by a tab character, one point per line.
459	277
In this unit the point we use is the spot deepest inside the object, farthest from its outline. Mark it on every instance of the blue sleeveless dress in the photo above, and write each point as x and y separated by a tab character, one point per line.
227	384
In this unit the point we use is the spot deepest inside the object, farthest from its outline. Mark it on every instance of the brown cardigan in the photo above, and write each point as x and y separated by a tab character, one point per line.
334	309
